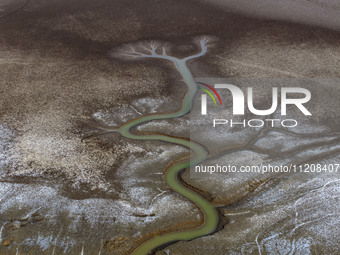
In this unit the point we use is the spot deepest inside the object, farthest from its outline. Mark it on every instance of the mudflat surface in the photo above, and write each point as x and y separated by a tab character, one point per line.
66	187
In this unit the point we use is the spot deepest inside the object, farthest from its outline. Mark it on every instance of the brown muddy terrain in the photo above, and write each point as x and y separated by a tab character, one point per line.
69	187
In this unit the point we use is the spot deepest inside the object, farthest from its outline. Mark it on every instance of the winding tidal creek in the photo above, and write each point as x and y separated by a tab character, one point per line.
210	214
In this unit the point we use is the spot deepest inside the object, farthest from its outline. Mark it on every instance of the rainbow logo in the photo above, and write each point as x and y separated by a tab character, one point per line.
209	93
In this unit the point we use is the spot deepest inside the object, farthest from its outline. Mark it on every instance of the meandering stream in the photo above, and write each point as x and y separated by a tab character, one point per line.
211	218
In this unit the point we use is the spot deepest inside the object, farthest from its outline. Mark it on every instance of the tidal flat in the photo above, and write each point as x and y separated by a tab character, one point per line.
70	184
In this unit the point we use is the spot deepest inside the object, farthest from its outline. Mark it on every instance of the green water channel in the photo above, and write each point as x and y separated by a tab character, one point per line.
211	218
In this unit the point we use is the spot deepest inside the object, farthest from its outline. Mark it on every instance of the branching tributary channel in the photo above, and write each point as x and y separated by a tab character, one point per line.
211	218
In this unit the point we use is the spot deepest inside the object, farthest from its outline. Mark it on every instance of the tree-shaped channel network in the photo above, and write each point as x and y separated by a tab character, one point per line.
209	212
